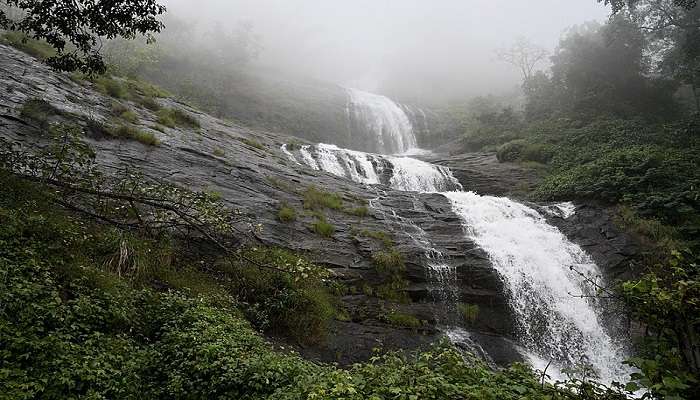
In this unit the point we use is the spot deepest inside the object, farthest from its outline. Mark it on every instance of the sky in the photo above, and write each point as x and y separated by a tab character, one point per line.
410	48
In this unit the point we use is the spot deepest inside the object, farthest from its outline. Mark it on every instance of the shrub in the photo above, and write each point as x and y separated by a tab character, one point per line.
286	213
470	312
164	118
129	116
315	199
323	228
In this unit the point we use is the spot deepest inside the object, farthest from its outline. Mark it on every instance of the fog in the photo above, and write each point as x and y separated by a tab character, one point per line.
412	49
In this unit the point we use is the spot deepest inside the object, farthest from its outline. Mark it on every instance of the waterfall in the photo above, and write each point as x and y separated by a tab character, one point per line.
382	123
556	314
558	319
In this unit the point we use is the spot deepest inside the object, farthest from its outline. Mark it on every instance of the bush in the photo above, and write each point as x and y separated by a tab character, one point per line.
112	87
521	150
315	199
286	213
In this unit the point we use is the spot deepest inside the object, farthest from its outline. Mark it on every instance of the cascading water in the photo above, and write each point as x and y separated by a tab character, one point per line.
557	318
556	315
384	122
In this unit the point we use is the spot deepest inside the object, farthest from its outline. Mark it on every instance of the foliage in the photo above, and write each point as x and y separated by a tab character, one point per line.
74	29
286	213
317	199
361	211
39	111
667	299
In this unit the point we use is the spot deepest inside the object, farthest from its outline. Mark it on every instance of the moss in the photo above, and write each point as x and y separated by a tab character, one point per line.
315	199
276	183
219	152
470	312
286	213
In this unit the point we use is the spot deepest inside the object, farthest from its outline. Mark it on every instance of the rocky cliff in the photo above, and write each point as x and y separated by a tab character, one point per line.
253	175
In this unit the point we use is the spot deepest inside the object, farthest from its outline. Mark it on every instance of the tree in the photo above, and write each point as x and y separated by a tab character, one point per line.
76	28
619	5
523	55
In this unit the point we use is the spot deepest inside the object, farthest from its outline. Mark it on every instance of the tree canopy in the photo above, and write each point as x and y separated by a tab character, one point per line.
76	28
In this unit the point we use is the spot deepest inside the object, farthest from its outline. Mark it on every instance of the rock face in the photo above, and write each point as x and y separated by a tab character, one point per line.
249	170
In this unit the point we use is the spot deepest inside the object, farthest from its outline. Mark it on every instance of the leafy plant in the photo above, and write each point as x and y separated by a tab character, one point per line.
286	213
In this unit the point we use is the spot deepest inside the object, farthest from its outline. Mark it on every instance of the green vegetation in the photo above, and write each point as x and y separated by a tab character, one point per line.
316	199
173	117
129	132
323	227
219	152
397	318
378	235
470	312
36	48
361	211
253	143
150	103
287	213
39	111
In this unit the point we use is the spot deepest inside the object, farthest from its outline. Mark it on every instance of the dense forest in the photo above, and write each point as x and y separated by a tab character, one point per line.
116	284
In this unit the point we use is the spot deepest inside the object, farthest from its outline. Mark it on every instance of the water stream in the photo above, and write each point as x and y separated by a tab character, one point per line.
556	318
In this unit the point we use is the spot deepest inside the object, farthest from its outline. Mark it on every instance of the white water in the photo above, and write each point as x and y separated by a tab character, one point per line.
558	321
384	120
534	260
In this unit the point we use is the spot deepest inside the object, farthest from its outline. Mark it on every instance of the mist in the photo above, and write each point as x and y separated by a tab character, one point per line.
413	50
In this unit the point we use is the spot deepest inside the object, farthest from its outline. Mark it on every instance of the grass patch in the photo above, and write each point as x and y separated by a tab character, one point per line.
383	237
470	312
129	132
149	103
388	262
323	227
315	199
276	183
405	320
287	213
253	143
36	48
172	117
112	87
361	211
39	111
